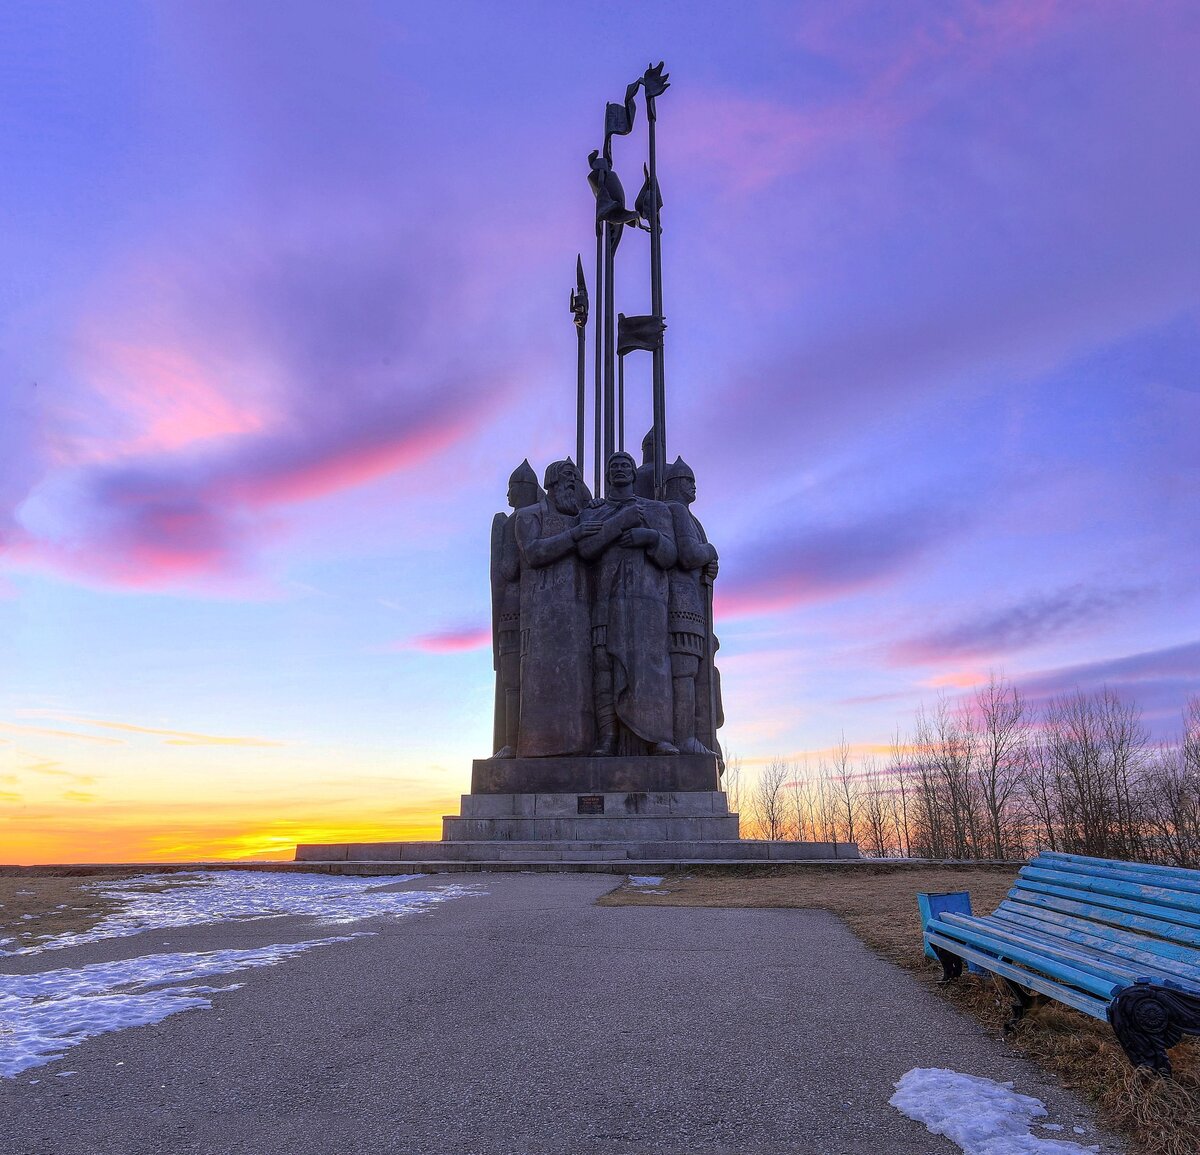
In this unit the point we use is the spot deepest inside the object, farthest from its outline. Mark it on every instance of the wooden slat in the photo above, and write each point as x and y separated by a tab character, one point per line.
1053	953
1112	902
1031	979
1132	922
1118	888
1027	956
1151	954
1175	877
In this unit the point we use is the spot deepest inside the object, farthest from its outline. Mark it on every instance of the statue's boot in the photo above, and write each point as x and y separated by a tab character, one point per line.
694	746
606	746
664	748
505	752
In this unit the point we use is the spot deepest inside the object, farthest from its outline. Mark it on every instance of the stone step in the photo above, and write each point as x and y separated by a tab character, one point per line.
605	827
618	853
638	803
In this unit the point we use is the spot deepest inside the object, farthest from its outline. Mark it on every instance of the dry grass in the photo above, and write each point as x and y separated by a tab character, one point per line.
1157	1116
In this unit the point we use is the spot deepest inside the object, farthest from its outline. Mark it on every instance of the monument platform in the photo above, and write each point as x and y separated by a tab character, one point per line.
598	854
608	813
629	816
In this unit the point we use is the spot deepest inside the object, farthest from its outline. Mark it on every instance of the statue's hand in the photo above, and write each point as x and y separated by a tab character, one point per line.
585	529
630	517
639	538
595	503
710	570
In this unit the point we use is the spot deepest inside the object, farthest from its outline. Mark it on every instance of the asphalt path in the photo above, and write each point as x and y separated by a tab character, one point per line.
522	1021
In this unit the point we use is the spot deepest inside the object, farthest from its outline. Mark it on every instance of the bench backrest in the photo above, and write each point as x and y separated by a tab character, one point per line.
1145	911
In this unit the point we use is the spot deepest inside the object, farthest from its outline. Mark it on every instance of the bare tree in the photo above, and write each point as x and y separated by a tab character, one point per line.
899	770
1003	737
874	810
846	789
731	782
1173	794
769	801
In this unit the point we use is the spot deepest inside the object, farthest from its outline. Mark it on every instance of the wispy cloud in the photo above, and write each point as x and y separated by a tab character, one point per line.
44	731
1036	620
174	737
452	640
803	565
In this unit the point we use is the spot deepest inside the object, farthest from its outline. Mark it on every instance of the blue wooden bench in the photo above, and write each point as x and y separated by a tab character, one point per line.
1119	941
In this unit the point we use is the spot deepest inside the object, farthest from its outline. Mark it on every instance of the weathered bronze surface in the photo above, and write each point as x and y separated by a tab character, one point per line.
603	639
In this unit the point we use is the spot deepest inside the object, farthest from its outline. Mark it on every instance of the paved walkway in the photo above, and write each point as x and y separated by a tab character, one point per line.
524	1022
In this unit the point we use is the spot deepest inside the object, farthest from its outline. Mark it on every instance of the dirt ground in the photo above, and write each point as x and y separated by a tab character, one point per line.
38	906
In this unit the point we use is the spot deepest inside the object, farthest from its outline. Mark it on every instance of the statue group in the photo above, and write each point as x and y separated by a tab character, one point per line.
602	616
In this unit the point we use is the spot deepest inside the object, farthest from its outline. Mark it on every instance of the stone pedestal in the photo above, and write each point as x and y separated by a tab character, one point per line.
631	816
671	773
674	798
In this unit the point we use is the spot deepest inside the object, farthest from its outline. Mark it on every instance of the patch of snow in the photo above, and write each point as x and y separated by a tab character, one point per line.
645	880
52	1011
158	902
982	1116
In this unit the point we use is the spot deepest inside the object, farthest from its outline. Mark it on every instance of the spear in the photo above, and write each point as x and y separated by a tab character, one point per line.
579	310
655	83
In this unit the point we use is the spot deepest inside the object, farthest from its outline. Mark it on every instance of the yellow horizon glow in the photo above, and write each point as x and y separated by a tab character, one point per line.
166	839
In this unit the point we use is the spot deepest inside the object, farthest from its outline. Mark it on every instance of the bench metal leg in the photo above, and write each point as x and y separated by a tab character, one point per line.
1022	1000
952	965
1148	1019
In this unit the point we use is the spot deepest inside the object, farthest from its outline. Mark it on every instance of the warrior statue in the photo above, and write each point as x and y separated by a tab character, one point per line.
506	612
556	667
643	482
694	678
633	548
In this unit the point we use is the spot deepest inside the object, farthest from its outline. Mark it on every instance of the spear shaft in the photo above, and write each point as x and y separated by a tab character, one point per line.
656	307
610	341
598	463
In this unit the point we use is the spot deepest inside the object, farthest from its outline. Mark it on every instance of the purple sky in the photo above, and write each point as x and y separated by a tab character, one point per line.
284	301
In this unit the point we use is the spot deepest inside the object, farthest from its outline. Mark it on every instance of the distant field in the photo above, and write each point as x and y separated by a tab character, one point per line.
1158	1116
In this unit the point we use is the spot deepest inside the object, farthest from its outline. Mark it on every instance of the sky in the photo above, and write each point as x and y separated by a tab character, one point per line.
284	301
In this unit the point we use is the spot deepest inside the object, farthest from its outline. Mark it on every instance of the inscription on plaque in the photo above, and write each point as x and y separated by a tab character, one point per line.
591	804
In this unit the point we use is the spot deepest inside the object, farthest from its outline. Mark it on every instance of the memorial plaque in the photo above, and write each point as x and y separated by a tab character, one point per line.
591	804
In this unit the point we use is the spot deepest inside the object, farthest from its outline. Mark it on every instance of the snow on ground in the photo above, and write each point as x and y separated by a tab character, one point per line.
42	1015
160	902
646	882
982	1116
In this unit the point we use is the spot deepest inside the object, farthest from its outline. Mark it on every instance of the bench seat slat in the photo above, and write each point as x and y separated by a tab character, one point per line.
1180	960
1176	877
1157	896
1155	877
1149	926
1055	952
1097	1008
1027	955
1109	902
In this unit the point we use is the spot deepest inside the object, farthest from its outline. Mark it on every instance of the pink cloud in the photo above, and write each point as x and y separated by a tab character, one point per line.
449	641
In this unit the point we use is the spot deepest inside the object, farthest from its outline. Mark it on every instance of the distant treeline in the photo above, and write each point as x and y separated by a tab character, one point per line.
989	776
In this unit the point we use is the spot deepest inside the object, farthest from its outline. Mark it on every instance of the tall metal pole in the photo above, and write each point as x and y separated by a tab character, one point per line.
579	311
621	403
656	302
598	462
610	341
